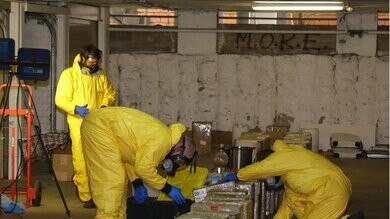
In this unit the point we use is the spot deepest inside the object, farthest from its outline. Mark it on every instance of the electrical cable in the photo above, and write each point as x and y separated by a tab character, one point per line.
31	111
38	133
24	159
22	164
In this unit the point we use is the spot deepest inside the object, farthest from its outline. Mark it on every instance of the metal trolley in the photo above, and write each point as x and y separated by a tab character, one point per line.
33	193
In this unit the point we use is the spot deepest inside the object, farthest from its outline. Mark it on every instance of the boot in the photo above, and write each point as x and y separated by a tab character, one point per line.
89	204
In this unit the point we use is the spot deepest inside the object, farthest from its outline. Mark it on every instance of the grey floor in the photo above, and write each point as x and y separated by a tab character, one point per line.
370	181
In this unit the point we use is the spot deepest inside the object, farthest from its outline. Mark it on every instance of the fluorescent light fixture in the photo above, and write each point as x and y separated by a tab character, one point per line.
298	6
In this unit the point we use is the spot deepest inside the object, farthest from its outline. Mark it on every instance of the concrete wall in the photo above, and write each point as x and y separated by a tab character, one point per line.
229	89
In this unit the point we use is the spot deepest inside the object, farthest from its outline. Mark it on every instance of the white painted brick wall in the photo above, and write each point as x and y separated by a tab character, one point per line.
229	89
248	89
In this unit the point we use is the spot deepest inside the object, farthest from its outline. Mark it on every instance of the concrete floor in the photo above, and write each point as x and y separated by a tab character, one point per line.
370	186
370	180
52	206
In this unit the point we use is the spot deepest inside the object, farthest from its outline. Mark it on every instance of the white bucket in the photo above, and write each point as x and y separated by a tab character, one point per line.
237	130
314	138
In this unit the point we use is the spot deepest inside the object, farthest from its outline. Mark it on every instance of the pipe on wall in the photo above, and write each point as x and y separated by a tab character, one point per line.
50	21
207	30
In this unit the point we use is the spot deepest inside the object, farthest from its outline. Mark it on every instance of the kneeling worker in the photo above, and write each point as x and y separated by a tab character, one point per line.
120	142
314	186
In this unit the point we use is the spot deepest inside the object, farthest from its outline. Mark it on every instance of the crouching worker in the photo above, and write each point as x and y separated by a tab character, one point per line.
121	142
314	186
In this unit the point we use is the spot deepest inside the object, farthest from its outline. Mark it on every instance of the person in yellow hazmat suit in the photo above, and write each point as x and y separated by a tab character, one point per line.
122	143
314	186
81	89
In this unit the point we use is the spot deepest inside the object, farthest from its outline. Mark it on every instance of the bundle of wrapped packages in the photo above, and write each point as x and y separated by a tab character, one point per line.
236	198
233	199
205	215
242	200
298	138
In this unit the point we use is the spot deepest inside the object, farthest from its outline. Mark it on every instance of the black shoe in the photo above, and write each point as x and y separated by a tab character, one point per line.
89	204
358	215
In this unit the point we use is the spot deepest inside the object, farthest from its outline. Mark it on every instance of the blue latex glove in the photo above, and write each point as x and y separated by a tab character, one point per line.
81	110
230	177
9	206
176	195
140	194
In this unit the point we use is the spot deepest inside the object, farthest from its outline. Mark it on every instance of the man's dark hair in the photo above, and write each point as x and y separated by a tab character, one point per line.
90	51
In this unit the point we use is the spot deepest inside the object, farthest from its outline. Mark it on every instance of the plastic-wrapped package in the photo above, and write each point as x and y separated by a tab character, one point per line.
247	204
201	134
200	194
234	194
252	188
299	138
232	208
247	187
206	215
269	201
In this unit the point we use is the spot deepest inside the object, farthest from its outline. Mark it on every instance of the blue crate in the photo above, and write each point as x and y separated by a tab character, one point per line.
153	209
33	64
7	52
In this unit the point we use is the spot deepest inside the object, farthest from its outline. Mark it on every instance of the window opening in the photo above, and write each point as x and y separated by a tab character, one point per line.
142	17
278	18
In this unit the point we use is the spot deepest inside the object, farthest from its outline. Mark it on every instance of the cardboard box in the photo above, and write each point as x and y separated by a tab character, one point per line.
66	150
201	134
63	166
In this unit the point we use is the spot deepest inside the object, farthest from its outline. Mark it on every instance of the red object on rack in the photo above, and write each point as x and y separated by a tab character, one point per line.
27	113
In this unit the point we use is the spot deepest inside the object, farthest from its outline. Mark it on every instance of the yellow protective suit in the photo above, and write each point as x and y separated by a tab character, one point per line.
117	140
314	186
75	88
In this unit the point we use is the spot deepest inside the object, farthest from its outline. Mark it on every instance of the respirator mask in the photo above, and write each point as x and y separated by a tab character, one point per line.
180	156
94	68
273	183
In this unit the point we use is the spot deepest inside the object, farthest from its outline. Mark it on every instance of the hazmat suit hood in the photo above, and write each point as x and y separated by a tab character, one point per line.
177	130
76	65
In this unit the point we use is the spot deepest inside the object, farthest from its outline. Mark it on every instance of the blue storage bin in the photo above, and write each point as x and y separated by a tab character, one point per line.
7	52
33	64
153	209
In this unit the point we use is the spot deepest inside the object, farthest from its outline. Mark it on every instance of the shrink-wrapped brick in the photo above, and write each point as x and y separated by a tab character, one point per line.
247	205
212	206
206	215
